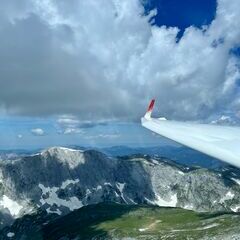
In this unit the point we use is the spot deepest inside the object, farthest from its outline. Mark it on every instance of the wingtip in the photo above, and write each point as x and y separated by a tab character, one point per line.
150	109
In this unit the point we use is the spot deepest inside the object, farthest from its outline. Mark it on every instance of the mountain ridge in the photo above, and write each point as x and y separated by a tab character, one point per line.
60	180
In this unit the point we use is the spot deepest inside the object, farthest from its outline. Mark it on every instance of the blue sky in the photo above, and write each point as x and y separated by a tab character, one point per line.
84	74
17	134
183	14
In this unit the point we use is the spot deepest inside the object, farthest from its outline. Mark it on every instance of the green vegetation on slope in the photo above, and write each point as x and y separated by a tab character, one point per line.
170	223
114	221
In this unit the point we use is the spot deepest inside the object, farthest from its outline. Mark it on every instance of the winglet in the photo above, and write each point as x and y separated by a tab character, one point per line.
150	108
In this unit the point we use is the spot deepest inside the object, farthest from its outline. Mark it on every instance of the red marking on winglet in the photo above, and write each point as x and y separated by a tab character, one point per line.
150	107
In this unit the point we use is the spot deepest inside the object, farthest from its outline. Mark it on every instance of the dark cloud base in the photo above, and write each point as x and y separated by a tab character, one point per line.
104	60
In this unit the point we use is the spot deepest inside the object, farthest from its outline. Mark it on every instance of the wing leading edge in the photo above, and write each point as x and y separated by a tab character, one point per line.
222	142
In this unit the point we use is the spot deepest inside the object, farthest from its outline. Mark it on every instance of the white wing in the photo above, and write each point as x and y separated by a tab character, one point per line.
221	142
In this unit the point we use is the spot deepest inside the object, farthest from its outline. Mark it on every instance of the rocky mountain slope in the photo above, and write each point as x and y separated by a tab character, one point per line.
60	180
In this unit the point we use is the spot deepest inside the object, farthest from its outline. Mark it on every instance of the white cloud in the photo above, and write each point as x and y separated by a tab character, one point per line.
72	130
68	121
69	125
226	120
102	59
37	132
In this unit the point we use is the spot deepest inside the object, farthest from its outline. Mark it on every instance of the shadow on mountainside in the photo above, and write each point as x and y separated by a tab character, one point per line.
88	222
116	221
83	223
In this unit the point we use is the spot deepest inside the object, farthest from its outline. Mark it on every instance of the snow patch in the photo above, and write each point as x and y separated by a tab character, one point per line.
143	161
155	162
116	194
236	208
107	183
67	182
73	202
10	234
35	154
163	203
131	200
69	149
166	203
188	207
88	192
208	226
142	229
229	195
180	172
99	187
236	180
13	207
120	187
56	211
152	225
149	201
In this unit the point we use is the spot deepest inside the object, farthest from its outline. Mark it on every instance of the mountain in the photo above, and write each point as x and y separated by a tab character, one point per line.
60	180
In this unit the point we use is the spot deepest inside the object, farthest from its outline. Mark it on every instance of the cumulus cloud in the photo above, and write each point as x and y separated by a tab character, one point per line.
69	125
103	59
37	132
68	121
72	130
227	120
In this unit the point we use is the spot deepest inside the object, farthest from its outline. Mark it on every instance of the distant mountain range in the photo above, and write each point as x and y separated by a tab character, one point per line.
59	180
14	154
182	155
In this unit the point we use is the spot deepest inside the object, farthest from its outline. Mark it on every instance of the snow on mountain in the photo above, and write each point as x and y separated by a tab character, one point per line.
60	180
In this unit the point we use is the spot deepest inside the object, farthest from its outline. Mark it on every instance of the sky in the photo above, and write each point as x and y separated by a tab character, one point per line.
82	72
